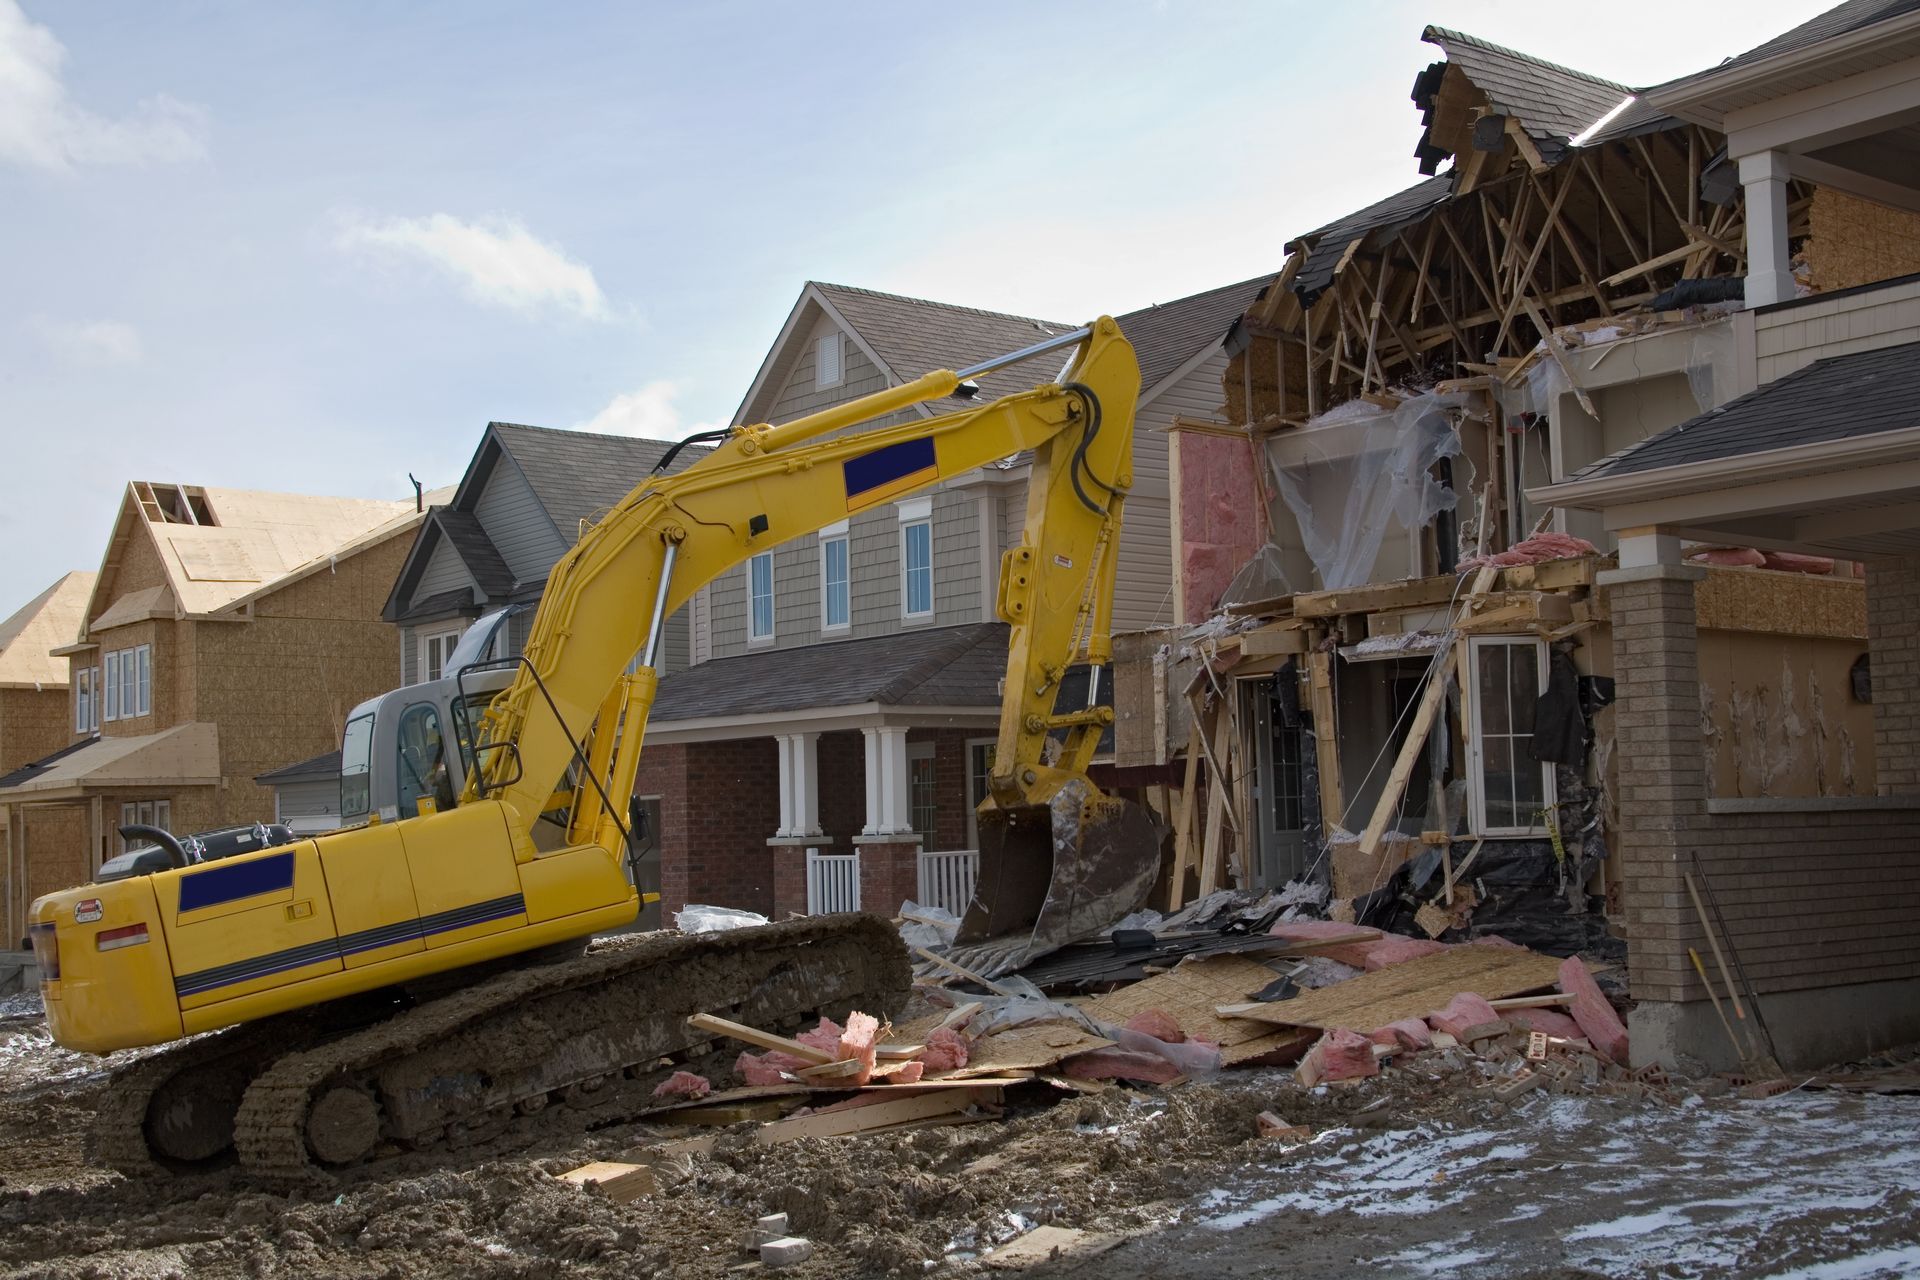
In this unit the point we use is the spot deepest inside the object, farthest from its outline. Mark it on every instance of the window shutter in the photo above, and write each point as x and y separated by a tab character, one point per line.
827	359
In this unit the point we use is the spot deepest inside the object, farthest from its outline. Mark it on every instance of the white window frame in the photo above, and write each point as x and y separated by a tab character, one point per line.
917	751
146	813
754	635
915	513
110	686
449	635
86	706
836	532
829	359
1476	755
143	679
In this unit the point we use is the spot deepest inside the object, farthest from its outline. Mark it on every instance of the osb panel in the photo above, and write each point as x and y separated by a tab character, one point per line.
1027	1049
1793	604
1779	717
1190	993
1415	988
1856	242
33	723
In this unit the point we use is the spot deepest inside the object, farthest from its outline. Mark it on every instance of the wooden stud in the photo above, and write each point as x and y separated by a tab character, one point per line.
754	1036
622	1183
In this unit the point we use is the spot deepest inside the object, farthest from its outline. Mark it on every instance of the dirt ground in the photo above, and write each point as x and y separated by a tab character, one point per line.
1417	1173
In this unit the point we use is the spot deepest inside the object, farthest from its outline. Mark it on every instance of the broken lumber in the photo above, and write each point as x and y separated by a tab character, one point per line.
754	1036
963	972
621	1183
838	1124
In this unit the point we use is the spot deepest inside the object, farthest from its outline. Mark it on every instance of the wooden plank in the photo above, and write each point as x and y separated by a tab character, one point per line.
1183	821
733	1112
1210	860
622	1183
839	1124
1456	874
831	1070
1278	640
1412	989
1532	1002
754	1036
1419	593
960	971
1215	750
1028	1048
1326	739
1416	740
1189	994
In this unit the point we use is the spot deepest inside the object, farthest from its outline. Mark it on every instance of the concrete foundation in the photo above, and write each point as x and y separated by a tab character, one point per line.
1811	1029
18	972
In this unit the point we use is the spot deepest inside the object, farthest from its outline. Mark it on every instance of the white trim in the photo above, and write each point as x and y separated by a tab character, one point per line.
1476	777
423	641
846	543
974	801
1687	478
908	613
1696	90
756	638
749	406
830	341
911	509
110	685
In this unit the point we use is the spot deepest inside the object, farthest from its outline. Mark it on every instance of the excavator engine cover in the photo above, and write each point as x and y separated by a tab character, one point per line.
1052	874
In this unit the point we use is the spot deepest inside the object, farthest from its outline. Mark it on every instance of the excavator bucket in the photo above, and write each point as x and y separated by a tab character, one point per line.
1053	874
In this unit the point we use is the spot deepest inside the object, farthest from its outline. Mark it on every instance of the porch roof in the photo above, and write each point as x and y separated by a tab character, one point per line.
1826	458
939	667
187	755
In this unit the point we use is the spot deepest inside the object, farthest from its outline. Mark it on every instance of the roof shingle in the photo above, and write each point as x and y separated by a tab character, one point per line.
1167	335
915	335
578	475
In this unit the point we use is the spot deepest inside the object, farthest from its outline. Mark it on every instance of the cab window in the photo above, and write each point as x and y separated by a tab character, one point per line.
356	759
423	760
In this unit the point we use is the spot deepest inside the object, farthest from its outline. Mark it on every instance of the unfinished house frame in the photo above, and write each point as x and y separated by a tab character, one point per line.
1408	673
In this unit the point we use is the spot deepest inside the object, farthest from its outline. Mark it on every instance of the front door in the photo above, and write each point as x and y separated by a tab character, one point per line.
1277	785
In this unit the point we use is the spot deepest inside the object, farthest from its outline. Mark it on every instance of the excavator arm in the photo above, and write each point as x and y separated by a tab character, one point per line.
573	719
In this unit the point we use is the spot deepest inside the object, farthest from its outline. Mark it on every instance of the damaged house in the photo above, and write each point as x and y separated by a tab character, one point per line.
1555	577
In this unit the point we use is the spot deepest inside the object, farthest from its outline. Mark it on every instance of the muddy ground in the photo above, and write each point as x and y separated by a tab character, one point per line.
1418	1173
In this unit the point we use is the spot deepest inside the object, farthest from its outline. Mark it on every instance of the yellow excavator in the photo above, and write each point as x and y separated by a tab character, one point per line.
421	980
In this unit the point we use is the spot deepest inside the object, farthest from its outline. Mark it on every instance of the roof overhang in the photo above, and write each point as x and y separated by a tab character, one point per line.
1707	98
1853	498
186	755
859	715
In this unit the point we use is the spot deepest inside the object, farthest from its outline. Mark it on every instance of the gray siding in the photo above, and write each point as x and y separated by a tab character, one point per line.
445	571
409	657
1143	587
318	799
518	525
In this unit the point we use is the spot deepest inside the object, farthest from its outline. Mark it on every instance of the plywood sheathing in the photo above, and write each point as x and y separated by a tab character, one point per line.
1190	993
1854	242
1026	1048
1412	989
1788	604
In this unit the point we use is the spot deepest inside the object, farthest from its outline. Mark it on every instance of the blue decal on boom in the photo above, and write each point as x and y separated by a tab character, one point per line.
882	467
229	882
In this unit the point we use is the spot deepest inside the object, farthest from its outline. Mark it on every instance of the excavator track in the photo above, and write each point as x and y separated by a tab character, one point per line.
597	1032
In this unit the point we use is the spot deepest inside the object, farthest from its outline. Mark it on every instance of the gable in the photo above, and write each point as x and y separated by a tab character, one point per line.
519	526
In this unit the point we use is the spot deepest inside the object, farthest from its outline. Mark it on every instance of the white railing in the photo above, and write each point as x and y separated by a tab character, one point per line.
833	882
946	879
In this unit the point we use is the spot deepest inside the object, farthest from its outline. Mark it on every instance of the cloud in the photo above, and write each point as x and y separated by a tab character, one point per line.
648	413
93	341
496	260
42	128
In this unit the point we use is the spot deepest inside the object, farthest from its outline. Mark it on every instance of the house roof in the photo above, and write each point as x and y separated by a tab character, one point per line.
1842	19
1330	242
49	621
914	335
318	769
579	475
1551	102
1167	335
940	667
463	531
256	542
1839	398
187	755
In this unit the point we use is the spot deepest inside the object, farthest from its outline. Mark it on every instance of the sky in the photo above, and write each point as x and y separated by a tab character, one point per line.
315	247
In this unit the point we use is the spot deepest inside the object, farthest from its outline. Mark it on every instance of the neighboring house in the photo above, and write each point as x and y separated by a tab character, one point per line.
525	498
859	667
36	711
228	632
306	794
1608	368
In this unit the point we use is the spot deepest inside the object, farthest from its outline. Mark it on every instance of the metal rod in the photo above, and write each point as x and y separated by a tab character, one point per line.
1026	353
656	627
1093	687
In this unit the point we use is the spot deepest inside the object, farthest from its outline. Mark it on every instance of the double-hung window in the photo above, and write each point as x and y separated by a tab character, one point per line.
1510	791
916	559
110	687
127	688
86	706
836	605
760	598
143	679
922	791
144	813
435	648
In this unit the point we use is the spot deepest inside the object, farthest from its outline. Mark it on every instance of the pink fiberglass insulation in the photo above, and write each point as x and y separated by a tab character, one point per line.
1550	1021
946	1051
1120	1064
825	1037
1346	1055
1593	1011
1540	547
1222	524
1159	1024
1408	1033
1392	951
1463	1011
683	1084
857	1043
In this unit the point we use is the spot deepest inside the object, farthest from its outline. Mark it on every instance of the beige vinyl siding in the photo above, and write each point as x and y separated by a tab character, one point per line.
445	571
956	558
675	649
1797	336
859	376
518	525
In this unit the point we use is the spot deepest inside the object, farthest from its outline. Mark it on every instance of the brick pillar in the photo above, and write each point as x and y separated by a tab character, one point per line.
1662	768
889	872
789	878
1893	638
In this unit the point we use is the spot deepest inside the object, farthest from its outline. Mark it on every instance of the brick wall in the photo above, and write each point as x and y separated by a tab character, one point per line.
663	773
714	846
843	788
1893	638
1812	898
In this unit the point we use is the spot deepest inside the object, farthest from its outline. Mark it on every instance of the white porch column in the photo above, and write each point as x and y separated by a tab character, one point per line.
1764	174
785	744
804	749
886	780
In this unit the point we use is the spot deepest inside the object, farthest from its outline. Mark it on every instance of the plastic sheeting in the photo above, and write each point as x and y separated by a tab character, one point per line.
1348	479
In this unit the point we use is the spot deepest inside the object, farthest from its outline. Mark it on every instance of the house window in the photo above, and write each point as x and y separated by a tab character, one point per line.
145	813
143	679
110	687
760	597
826	359
1511	791
835	601
128	686
916	558
979	768
86	707
921	806
435	648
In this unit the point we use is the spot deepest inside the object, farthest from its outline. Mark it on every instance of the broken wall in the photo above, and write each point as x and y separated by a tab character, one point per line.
1779	716
1217	515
